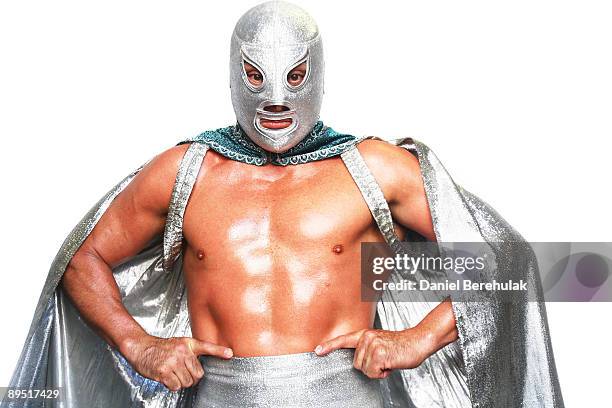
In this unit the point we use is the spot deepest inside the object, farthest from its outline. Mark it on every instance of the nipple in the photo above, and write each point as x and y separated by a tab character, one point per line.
200	254
337	249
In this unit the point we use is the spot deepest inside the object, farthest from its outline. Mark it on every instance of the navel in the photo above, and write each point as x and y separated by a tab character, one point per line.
337	249
200	254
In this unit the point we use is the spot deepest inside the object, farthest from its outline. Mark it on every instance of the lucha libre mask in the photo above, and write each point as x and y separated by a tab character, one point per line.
275	37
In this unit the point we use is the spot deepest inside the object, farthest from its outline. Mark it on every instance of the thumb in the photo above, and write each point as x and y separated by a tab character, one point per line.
200	347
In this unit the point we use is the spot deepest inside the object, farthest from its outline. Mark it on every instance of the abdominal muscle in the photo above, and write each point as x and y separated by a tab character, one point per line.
276	302
275	269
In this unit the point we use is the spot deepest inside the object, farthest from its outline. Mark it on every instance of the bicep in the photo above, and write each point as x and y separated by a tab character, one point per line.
411	210
399	175
138	213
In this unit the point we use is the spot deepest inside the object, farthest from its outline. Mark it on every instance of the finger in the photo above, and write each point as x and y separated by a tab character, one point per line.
345	341
194	367
183	375
191	371
366	365
360	352
171	381
200	347
374	361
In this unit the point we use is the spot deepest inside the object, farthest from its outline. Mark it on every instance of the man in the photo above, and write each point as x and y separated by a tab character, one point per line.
254	296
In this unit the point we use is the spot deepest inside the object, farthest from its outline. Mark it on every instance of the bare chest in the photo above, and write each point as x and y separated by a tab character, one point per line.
275	252
310	207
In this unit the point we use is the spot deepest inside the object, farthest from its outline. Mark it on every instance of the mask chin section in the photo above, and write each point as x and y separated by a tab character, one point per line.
277	140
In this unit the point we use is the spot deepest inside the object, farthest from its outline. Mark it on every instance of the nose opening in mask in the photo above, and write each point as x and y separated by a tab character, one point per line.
276	108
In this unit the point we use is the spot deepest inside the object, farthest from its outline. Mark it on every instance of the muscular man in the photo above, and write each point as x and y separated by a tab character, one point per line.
271	261
272	253
271	229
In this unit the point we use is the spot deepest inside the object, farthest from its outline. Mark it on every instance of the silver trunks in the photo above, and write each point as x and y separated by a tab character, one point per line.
291	380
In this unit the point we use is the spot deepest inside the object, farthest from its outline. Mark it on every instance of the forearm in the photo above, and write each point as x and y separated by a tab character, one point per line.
90	284
173	361
438	328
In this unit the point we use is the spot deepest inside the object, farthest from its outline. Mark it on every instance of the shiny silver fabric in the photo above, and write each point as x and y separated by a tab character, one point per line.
504	355
62	351
275	37
302	380
373	195
441	381
185	178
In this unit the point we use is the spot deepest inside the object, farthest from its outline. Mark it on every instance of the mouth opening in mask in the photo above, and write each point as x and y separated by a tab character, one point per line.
275	124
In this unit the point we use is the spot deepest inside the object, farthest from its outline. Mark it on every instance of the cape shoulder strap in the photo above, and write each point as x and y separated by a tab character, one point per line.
185	179
372	194
188	172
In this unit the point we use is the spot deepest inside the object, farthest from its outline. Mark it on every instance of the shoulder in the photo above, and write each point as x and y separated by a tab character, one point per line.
382	153
152	186
393	167
165	164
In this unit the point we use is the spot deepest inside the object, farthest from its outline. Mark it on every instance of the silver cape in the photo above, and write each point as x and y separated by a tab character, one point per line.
503	357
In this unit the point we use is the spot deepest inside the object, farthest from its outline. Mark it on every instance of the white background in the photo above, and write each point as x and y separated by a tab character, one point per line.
514	97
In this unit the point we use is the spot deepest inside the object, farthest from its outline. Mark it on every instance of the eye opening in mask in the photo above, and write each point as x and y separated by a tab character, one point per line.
253	76
297	84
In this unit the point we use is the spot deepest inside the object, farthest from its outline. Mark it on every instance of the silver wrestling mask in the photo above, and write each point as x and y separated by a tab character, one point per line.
276	37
